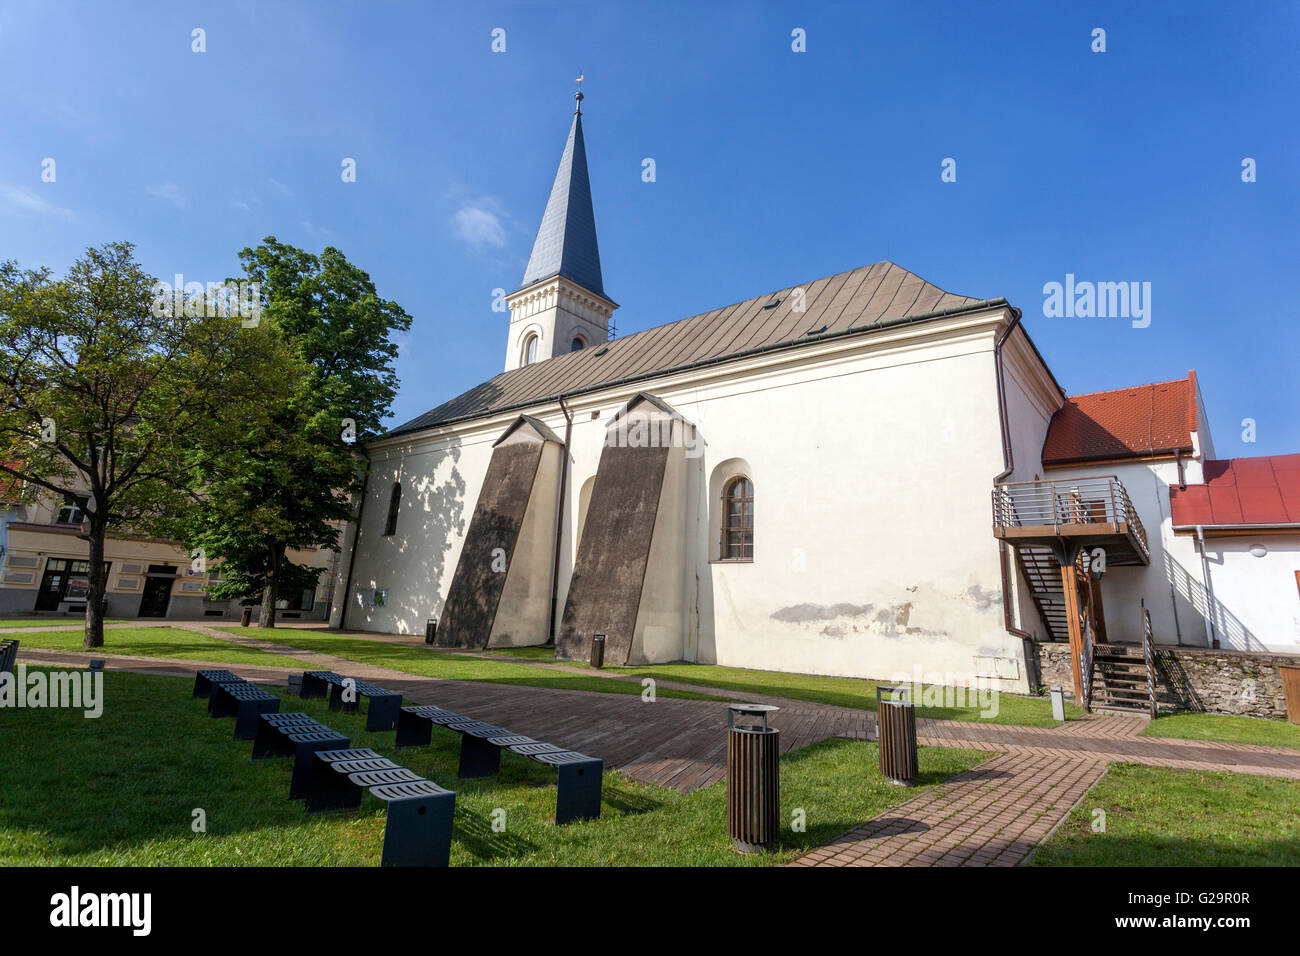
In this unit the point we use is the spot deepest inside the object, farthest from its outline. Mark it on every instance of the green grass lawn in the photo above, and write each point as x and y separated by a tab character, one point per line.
122	790
171	642
50	622
427	662
844	692
839	691
1161	817
1222	728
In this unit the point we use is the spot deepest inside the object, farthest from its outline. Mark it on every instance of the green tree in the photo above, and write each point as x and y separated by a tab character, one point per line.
102	391
289	485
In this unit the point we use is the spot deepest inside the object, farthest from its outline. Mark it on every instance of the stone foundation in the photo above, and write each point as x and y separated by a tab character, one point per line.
1245	683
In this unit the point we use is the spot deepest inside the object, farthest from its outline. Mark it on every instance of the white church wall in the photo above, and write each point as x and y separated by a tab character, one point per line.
873	551
440	479
872	459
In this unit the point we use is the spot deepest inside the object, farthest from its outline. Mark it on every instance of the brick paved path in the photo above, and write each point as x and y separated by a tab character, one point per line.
993	814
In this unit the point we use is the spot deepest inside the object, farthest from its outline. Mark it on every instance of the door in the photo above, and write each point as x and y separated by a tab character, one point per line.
157	593
53	585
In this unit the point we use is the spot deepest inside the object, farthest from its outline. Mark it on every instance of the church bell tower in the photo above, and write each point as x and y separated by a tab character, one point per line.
561	305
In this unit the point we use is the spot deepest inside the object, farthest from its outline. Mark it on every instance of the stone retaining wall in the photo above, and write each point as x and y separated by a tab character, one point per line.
1247	683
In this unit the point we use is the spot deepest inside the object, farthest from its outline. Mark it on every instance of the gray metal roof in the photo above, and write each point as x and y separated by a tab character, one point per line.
566	240
859	301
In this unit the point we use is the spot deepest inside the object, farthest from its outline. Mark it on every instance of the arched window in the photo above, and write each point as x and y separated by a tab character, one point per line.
530	349
394	502
577	345
738	520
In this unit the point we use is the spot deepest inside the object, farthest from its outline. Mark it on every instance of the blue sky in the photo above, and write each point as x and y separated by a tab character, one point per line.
773	167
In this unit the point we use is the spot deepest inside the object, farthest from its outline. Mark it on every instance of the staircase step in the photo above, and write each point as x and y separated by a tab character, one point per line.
1113	694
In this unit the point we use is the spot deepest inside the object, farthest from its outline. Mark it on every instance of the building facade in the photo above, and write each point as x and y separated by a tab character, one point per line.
43	569
861	475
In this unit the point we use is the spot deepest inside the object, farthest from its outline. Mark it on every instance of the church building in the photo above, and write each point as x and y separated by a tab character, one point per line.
861	475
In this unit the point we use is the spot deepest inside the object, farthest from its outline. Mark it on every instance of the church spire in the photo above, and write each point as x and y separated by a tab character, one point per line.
566	242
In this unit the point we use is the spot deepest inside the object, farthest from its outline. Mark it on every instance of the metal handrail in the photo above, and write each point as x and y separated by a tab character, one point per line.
1081	501
1147	654
1085	664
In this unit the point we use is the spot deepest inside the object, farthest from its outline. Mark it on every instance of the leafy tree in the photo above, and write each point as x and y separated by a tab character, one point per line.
289	483
102	394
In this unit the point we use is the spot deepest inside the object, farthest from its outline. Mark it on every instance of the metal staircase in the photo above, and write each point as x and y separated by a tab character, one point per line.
1043	574
1124	675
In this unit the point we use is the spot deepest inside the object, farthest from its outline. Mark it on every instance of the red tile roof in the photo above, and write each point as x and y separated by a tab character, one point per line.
1123	423
1241	492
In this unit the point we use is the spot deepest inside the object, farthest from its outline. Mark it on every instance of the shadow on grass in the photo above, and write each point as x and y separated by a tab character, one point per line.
475	833
616	794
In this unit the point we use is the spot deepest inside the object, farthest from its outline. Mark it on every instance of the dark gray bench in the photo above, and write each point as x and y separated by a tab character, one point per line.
420	813
204	681
317	683
381	713
243	701
8	655
273	730
578	791
305	744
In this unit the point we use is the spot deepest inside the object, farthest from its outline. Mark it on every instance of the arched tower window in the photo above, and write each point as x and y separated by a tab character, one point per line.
738	520
577	345
530	349
394	502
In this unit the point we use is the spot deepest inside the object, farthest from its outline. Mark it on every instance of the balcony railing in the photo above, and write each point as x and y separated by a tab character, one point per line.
1081	507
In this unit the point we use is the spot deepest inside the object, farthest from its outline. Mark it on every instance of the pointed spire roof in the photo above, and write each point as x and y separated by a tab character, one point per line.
566	241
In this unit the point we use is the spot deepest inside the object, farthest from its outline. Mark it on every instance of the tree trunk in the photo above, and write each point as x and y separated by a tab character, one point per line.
267	617
98	586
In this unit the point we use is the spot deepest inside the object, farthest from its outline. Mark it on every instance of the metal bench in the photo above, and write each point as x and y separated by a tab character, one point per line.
381	714
577	796
273	730
418	829
317	683
305	744
243	701
420	813
415	724
8	654
204	680
305	765
478	757
578	791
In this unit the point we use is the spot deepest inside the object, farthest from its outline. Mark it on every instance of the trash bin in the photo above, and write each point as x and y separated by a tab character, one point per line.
598	651
430	630
753	778
246	618
896	734
1291	690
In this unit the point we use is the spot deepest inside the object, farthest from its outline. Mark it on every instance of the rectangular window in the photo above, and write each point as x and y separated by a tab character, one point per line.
73	511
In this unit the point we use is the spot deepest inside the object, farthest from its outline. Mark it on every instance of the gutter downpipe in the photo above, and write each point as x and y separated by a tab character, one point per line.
1211	638
1009	463
559	521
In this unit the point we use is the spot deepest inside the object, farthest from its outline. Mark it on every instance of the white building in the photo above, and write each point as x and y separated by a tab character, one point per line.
801	481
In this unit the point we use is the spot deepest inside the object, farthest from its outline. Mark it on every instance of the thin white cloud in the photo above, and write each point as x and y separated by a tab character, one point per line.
285	190
22	199
480	225
170	192
319	233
